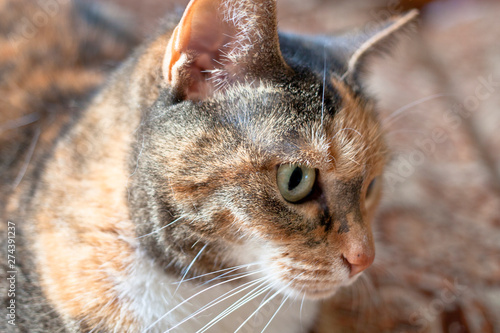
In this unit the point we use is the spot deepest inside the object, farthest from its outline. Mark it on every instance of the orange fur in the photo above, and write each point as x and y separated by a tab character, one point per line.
188	180
358	137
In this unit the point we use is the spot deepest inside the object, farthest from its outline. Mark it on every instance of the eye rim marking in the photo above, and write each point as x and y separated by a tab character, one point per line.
371	187
372	191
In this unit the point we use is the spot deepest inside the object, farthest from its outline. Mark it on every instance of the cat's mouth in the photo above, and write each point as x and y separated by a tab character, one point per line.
316	282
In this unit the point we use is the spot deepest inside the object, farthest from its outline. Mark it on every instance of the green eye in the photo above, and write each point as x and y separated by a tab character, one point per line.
295	182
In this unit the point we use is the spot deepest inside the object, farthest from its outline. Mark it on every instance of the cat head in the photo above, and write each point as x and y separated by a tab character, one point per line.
255	155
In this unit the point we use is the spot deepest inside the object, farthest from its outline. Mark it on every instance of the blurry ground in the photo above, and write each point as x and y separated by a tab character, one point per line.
438	231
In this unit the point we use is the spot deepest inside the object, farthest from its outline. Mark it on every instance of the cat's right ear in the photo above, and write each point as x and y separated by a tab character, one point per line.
222	41
361	47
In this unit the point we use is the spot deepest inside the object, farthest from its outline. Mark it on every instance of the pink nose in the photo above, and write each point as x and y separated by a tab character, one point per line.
359	261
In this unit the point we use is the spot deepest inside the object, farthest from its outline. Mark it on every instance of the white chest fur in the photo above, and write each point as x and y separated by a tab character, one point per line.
161	304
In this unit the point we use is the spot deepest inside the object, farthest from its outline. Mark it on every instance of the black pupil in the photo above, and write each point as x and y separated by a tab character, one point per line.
295	178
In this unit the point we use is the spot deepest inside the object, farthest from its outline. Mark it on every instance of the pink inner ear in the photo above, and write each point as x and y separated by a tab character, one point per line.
194	48
208	31
203	39
208	38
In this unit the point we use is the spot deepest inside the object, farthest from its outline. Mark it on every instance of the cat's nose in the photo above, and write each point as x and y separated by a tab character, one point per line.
358	261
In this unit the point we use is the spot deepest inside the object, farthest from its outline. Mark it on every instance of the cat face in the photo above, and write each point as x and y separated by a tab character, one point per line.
252	160
234	167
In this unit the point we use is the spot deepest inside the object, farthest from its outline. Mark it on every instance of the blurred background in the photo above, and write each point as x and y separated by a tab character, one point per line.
438	228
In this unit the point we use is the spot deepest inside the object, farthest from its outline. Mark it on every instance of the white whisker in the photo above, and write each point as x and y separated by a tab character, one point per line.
19	122
370	288
260	307
225	275
28	158
389	133
393	116
347	129
301	307
224	297
254	293
189	267
158	230
227	270
324	83
193	296
267	301
265	297
275	313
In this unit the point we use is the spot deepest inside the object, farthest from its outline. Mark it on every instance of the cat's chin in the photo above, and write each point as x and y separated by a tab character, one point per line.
318	294
314	292
317	290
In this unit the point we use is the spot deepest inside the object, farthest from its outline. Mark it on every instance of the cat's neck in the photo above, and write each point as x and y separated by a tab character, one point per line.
99	216
188	307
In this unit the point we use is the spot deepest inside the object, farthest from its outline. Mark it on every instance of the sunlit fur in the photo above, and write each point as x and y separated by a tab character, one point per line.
172	202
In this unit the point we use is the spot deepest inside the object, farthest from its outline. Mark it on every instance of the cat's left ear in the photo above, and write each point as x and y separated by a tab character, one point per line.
376	41
218	42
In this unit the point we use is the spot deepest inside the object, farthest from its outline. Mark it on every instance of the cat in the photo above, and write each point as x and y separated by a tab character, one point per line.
223	179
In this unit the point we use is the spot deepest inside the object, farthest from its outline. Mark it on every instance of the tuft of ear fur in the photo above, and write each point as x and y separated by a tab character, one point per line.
222	41
365	45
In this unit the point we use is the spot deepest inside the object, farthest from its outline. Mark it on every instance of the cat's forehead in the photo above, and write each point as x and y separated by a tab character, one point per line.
331	129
